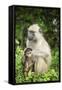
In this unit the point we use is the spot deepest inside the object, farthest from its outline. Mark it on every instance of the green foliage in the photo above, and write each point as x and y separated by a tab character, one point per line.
51	75
19	64
55	59
44	17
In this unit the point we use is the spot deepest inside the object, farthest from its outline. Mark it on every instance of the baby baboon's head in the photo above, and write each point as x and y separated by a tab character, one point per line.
27	52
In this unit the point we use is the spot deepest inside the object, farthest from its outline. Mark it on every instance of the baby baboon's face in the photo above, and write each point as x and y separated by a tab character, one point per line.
28	52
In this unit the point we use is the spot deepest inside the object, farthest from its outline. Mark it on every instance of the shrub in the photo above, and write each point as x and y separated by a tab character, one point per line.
51	75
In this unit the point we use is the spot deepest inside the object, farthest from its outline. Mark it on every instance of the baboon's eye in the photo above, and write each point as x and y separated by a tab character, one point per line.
31	31
40	30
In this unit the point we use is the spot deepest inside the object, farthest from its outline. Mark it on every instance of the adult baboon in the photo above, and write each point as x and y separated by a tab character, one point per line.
40	49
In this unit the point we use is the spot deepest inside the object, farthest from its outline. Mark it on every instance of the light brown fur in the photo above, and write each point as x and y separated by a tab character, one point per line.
40	50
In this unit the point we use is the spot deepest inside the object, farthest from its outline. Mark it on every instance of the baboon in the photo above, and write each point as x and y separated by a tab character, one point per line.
41	51
28	62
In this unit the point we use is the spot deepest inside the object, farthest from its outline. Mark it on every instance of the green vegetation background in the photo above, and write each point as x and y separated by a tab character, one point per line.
49	20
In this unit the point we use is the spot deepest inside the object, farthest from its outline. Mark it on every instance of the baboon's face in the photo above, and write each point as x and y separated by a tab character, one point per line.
32	36
33	33
28	54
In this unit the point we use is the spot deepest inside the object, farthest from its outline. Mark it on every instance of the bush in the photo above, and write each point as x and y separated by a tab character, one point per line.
51	75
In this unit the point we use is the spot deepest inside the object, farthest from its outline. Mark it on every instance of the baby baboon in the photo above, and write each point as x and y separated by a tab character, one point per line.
28	62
